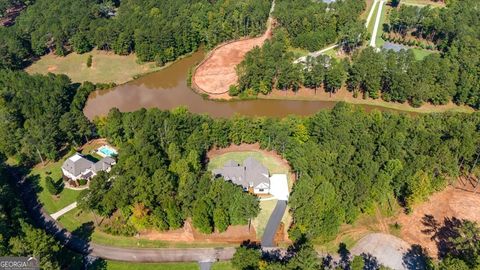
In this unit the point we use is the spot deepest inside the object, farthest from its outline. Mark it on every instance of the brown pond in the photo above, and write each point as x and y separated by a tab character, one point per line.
167	89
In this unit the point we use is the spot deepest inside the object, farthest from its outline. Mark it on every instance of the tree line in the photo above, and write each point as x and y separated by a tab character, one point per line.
155	31
398	77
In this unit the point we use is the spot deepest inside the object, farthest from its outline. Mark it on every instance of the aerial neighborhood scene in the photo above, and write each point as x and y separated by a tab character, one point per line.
240	135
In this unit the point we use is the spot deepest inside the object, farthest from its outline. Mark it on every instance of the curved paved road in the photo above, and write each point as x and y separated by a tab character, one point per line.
45	221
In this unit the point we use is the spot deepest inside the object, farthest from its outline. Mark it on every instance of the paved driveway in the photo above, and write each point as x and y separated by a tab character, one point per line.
273	224
279	186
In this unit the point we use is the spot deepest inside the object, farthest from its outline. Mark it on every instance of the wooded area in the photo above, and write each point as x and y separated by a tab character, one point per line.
155	31
437	79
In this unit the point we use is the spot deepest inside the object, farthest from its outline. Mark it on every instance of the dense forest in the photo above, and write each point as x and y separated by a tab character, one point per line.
156	30
313	24
348	162
40	114
450	75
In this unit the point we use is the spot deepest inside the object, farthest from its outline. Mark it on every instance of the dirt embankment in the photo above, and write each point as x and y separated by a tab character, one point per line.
188	234
431	222
216	72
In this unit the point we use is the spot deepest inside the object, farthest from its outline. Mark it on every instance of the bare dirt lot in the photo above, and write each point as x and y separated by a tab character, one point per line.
455	203
217	72
234	234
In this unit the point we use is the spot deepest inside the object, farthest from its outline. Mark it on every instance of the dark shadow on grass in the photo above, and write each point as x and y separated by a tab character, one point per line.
85	231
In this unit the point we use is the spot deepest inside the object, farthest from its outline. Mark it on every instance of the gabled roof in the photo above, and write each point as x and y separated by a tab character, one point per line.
103	164
251	174
76	164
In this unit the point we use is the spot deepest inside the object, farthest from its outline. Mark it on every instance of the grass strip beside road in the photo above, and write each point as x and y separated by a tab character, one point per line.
113	265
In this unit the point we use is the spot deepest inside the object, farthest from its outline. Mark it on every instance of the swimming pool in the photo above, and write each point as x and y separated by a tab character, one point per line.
107	151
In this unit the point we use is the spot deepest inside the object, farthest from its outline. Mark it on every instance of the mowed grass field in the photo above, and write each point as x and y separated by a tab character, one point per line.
107	67
273	166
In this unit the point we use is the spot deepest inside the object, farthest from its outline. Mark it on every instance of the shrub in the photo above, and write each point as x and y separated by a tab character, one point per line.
233	90
89	61
52	187
82	182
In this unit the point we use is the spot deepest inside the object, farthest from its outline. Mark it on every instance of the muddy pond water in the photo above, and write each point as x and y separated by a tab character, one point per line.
167	89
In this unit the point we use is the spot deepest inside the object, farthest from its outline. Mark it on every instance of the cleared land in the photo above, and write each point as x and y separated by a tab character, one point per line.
455	202
106	67
274	163
216	73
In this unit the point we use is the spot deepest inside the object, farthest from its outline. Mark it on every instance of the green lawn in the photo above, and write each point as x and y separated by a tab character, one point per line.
113	265
421	53
227	265
106	67
53	169
272	165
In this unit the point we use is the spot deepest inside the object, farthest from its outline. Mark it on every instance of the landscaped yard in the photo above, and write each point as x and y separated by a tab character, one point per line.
53	169
106	67
274	166
113	265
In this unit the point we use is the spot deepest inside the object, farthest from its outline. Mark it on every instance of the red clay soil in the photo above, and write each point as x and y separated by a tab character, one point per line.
216	73
234	234
457	201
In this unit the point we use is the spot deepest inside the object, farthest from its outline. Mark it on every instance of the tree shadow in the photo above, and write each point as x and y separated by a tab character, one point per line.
371	262
416	258
85	231
96	264
344	254
442	234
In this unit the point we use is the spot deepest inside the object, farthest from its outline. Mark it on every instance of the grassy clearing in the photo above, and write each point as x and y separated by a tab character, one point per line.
422	3
420	54
106	67
272	165
298	52
113	265
227	265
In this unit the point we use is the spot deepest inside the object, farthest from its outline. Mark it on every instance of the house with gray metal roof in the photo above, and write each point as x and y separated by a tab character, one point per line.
78	167
251	175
